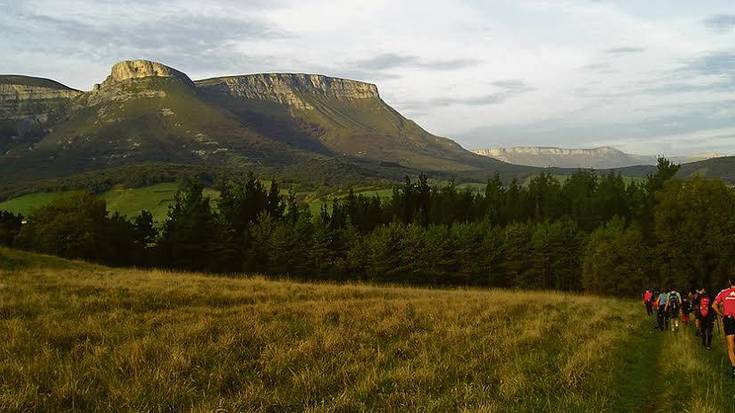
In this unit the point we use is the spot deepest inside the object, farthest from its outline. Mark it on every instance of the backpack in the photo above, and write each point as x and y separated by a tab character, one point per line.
673	302
704	306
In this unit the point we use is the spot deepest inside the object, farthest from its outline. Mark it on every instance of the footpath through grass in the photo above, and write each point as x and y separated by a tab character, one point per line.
672	372
79	337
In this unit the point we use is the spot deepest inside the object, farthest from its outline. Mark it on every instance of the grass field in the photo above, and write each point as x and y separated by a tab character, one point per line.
156	198
79	337
126	201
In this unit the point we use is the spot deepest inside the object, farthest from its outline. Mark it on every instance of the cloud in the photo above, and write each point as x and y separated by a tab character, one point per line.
456	66
720	23
624	50
601	68
387	61
691	128
509	89
451	64
684	87
171	32
206	42
513	84
718	63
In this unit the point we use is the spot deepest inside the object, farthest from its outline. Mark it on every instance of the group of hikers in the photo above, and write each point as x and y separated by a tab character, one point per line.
672	308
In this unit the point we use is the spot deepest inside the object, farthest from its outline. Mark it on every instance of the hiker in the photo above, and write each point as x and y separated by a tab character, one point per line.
661	315
696	296
648	302
705	317
673	306
725	307
686	309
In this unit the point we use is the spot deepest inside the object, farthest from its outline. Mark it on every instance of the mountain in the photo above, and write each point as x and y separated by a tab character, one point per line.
147	112
721	167
597	158
29	107
344	117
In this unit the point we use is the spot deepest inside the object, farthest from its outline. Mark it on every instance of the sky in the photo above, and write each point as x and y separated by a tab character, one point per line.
648	77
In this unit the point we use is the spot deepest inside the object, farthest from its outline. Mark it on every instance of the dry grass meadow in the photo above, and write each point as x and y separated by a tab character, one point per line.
78	337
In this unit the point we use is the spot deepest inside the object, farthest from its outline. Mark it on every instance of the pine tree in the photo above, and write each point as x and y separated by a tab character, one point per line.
188	235
10	225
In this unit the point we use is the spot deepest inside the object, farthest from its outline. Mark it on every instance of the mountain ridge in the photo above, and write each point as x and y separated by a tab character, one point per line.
146	111
603	157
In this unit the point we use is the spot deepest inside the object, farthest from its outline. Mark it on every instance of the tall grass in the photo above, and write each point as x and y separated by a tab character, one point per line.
691	379
81	338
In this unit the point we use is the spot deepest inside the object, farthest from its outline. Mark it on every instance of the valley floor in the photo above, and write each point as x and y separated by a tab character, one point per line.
79	337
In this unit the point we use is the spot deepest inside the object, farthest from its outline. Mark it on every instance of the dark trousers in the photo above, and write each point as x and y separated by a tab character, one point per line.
649	307
662	319
706	324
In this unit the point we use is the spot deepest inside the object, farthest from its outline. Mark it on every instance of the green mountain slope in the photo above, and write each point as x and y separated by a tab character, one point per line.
723	168
344	116
148	119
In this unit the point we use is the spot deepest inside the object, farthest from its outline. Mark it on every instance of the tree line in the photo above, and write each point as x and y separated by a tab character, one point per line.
590	232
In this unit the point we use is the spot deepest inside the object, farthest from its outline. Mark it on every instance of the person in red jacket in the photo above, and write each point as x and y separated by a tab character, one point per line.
648	301
705	318
724	306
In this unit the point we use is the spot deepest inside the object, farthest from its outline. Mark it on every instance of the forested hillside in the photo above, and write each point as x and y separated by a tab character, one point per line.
593	233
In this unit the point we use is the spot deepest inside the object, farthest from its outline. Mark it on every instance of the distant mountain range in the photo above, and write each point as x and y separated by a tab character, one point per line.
597	158
147	112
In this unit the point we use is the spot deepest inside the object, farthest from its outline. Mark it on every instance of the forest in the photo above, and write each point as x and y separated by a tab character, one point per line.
591	232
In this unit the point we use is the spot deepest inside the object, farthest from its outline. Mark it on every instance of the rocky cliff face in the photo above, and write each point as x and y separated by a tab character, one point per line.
29	107
598	158
137	69
287	88
21	95
15	94
120	84
544	150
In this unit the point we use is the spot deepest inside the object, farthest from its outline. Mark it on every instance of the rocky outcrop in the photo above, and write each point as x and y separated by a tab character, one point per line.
116	88
137	69
288	88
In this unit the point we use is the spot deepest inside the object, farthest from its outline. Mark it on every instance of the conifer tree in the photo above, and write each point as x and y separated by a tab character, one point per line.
187	239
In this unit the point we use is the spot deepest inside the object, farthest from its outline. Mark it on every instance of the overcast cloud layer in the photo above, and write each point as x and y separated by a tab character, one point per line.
654	77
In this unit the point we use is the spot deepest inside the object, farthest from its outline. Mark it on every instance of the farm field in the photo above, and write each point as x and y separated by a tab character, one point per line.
126	201
156	198
79	337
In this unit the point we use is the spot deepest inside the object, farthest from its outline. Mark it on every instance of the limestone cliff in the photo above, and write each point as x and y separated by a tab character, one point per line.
137	69
13	92
120	84
287	88
543	156
30	106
